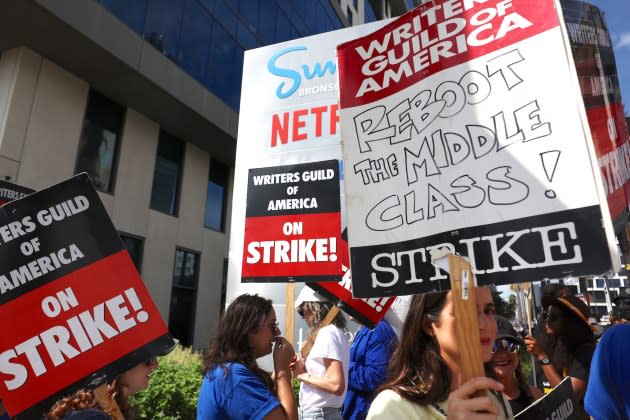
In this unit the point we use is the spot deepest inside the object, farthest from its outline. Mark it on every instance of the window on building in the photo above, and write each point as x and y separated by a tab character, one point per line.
134	247
181	319
167	174
599	297
100	136
216	198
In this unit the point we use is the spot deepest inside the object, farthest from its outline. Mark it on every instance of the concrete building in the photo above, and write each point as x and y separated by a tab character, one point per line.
144	96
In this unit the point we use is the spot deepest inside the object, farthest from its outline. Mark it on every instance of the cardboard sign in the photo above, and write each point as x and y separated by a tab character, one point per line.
560	403
457	135
594	58
78	311
289	116
10	192
293	223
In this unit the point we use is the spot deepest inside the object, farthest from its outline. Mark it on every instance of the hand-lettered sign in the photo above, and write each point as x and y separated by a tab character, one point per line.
76	310
463	127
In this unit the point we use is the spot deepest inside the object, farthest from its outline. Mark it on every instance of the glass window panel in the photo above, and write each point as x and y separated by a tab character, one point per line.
283	28
134	247
219	69
267	23
163	25
183	296
98	144
249	11
195	40
245	37
167	174
216	198
132	13
224	14
600	283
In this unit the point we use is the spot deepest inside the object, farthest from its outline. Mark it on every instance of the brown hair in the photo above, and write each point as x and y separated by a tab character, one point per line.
416	371
84	399
245	315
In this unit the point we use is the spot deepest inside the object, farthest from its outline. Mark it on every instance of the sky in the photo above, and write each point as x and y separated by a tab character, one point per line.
617	16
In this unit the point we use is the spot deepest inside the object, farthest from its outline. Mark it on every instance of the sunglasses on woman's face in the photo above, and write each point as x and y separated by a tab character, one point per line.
506	345
300	311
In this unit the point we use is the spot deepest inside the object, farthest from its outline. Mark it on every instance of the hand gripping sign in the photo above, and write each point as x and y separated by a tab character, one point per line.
76	311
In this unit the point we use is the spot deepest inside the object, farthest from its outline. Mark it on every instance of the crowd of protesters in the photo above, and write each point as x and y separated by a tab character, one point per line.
382	376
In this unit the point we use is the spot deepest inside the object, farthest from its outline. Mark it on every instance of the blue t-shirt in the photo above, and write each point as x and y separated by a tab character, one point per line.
607	393
239	395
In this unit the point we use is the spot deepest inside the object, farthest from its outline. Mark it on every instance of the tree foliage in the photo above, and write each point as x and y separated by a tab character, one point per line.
503	308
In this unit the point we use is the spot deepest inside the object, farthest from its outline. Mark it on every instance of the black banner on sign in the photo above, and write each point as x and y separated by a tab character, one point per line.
10	192
311	188
558	404
561	244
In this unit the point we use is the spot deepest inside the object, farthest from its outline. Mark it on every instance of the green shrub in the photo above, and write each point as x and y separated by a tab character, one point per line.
174	387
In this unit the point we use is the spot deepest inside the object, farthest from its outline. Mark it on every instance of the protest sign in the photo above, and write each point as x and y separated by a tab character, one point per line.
10	192
559	404
293	225
79	312
288	116
463	127
594	59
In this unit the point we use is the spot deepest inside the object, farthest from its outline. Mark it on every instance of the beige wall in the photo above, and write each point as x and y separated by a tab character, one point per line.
41	114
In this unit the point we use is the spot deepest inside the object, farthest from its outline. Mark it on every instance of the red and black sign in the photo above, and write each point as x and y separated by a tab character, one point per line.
79	312
594	59
293	223
10	192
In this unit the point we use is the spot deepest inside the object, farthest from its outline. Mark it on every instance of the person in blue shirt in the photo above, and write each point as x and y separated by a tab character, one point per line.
233	386
369	355
607	393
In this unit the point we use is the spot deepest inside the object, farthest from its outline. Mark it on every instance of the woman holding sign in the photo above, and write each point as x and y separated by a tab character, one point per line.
322	371
424	373
233	386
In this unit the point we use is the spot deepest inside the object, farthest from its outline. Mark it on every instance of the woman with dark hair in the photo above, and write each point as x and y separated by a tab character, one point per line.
234	387
83	404
424	373
323	372
572	346
507	370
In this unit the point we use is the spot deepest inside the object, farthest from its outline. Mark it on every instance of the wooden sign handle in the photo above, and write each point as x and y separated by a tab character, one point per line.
108	404
467	323
306	348
289	313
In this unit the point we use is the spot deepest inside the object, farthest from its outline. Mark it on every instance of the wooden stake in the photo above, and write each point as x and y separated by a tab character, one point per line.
467	323
109	405
289	313
306	348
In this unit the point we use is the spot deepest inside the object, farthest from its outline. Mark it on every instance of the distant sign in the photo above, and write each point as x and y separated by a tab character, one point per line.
559	404
456	134
79	313
597	74
10	192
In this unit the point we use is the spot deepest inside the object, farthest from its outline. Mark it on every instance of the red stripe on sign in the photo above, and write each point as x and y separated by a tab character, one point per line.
71	327
292	245
432	38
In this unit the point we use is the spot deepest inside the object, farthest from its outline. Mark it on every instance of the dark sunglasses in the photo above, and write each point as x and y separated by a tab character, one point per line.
505	345
300	311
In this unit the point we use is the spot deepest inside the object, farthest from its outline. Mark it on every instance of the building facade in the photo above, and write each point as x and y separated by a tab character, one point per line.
144	97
